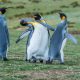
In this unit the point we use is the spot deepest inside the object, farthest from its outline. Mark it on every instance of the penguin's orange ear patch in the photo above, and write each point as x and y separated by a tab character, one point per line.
63	17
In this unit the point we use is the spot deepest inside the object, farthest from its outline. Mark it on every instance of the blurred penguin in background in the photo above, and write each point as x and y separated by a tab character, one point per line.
58	40
4	35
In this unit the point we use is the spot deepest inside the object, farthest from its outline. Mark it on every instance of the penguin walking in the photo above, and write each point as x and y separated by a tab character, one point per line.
38	43
58	40
4	35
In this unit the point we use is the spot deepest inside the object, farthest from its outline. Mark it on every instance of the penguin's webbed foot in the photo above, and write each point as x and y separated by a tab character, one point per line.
33	60
5	59
62	63
49	62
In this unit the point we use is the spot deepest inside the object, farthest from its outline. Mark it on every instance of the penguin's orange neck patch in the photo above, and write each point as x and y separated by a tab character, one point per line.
34	23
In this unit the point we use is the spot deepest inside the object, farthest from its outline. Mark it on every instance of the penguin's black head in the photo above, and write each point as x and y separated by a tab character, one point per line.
25	21
22	22
3	10
63	16
37	16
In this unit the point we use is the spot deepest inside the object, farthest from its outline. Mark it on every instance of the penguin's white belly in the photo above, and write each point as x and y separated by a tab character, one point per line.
39	42
63	44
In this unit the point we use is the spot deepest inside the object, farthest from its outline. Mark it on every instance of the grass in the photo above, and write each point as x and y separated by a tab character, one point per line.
18	69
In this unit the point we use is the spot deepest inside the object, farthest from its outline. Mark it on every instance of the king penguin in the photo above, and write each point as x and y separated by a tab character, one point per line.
38	18
4	35
58	40
38	42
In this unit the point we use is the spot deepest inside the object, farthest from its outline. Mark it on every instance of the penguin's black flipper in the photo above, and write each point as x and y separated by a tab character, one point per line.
17	41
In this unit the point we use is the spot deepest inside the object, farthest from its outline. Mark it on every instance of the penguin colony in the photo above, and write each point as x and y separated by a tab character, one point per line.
40	46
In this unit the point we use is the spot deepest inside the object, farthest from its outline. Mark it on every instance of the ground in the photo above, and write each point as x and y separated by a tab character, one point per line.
17	68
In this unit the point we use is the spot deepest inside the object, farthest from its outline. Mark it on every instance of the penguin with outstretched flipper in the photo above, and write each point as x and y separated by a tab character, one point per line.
38	43
58	40
38	18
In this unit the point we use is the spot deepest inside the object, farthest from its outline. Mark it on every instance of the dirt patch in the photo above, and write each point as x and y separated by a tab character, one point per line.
71	24
20	28
75	4
20	6
77	32
35	1
64	6
45	75
27	14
